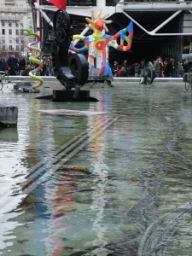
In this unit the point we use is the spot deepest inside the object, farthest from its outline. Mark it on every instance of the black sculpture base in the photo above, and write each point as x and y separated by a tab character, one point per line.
59	95
24	87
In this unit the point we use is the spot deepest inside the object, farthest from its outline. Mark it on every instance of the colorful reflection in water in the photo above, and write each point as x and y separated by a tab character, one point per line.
123	188
100	172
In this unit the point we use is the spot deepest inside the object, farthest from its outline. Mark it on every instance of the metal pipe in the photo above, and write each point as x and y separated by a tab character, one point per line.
166	21
153	32
44	15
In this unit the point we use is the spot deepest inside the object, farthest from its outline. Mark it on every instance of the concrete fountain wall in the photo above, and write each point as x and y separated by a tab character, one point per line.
8	116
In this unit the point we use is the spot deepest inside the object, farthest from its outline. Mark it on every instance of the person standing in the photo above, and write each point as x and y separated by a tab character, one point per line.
21	65
179	69
158	65
12	64
3	65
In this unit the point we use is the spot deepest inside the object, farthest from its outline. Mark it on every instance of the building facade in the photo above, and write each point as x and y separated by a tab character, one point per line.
14	16
161	27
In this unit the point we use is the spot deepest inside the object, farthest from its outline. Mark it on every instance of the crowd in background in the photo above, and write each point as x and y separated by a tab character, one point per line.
14	65
167	67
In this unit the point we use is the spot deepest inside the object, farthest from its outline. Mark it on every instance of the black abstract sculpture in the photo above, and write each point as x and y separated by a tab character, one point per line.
71	69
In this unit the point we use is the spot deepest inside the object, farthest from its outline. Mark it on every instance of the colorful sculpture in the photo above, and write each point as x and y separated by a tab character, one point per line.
34	57
97	44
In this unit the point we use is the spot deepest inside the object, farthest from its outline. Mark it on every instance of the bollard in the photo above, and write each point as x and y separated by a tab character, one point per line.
8	116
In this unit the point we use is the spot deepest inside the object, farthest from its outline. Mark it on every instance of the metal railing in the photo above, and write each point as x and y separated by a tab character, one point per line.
81	3
111	2
72	2
155	1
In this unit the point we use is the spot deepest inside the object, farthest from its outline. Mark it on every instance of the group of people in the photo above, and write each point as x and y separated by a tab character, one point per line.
159	67
13	65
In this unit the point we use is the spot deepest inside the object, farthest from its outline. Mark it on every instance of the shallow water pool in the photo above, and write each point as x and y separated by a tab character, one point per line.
111	179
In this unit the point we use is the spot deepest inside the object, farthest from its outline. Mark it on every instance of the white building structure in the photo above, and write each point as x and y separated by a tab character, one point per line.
161	27
14	16
125	7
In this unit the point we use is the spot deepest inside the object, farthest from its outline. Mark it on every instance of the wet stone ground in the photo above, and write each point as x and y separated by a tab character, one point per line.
112	178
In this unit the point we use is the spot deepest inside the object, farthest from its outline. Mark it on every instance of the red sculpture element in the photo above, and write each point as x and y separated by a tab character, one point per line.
61	4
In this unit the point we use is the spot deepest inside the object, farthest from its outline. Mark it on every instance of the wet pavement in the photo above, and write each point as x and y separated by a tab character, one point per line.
109	178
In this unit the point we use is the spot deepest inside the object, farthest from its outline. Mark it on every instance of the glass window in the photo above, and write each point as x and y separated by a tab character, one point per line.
10	31
10	47
186	50
17	32
190	47
9	2
3	31
127	1
10	24
2	23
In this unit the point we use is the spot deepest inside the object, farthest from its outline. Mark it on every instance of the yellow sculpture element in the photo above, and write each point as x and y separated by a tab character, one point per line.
34	58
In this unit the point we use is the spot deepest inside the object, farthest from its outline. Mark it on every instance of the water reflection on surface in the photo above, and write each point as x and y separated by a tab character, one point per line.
117	183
